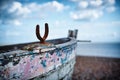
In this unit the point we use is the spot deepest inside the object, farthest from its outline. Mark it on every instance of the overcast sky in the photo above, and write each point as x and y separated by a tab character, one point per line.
96	20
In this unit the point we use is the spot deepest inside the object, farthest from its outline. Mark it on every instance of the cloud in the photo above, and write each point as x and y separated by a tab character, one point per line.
96	3
48	6
83	4
110	9
12	33
58	23
18	9
13	12
86	14
111	1
106	25
91	9
55	5
16	22
13	22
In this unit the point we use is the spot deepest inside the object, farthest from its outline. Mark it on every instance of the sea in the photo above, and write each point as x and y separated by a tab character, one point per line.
109	50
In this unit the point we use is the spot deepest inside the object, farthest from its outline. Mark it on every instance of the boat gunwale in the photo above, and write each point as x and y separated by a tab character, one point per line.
56	46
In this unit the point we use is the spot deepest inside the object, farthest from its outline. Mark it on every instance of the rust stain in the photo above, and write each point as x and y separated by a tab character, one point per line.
42	39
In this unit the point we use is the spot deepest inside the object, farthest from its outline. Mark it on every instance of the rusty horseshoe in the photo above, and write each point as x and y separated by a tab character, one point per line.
42	39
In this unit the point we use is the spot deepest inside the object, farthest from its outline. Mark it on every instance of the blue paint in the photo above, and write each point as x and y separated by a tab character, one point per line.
43	62
58	54
32	55
63	60
47	56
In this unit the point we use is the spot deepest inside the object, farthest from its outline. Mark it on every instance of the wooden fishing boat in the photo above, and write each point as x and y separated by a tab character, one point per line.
37	61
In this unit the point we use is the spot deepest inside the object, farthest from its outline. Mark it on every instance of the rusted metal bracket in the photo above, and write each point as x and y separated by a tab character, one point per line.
42	39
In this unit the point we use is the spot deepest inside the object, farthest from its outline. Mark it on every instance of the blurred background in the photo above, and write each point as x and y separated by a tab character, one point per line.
96	20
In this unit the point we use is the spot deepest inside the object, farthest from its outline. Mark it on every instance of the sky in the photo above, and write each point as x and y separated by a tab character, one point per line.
96	20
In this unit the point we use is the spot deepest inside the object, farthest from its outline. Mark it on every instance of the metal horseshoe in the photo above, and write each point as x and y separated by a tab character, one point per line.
42	39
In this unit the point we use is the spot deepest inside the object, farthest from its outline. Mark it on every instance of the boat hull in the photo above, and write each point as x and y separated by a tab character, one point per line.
53	63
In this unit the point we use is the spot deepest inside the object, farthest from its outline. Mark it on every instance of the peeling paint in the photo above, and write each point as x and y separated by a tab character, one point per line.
30	64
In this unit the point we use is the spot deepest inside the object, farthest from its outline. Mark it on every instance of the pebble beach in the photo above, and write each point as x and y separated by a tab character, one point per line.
96	68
